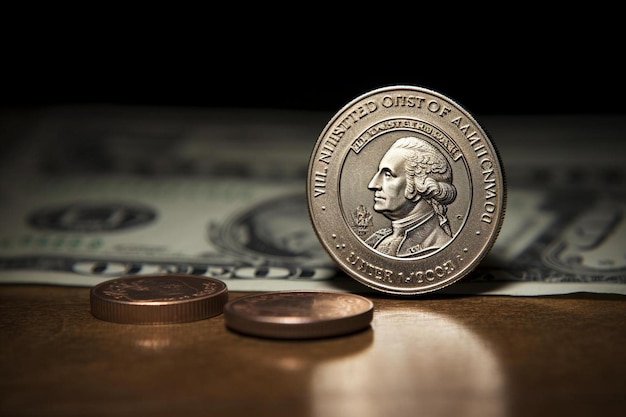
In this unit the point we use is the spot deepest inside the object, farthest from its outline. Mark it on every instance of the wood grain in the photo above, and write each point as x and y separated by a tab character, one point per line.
432	356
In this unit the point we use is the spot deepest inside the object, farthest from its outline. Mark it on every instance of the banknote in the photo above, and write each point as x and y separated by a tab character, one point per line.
89	194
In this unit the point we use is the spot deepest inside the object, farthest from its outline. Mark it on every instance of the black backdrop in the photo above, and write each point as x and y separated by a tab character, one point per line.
544	87
551	73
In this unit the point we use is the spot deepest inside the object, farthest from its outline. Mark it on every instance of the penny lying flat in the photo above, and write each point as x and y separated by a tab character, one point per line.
158	299
298	314
405	190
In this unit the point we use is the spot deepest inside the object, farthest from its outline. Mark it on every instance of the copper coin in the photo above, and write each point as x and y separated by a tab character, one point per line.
405	190
298	314
158	299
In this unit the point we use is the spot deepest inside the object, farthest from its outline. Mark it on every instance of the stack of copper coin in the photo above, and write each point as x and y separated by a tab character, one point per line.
158	299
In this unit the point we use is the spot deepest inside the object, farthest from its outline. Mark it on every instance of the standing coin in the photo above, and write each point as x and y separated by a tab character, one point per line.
158	299
406	192
298	314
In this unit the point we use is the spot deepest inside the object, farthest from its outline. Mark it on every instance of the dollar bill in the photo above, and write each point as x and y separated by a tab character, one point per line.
90	194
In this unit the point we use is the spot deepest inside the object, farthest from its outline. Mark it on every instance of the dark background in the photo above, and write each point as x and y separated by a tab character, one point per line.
493	87
535	64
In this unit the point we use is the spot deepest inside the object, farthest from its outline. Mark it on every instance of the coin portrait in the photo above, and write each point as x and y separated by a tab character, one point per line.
406	205
406	191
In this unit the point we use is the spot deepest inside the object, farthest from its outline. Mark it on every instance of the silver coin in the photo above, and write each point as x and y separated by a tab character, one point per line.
298	314
405	190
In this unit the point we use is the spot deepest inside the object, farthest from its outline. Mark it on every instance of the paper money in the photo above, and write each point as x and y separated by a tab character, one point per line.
93	194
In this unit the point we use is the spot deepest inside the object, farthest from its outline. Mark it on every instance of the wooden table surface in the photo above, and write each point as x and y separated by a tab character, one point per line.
427	356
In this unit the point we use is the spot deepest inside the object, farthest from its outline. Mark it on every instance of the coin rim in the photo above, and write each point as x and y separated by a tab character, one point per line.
486	244
272	327
158	312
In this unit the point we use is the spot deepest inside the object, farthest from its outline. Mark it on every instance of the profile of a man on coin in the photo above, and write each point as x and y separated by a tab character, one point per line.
412	187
